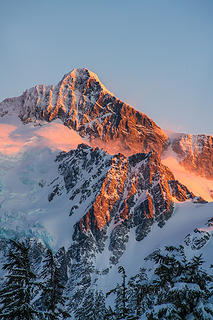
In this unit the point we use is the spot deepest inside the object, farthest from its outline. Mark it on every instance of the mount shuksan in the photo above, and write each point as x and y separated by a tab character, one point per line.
110	199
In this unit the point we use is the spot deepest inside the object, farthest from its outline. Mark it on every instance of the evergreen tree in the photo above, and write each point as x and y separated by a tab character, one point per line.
137	290
180	287
99	306
197	291
121	311
52	293
86	311
17	293
93	306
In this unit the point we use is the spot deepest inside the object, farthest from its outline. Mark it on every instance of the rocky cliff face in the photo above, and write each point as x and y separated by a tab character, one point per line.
114	190
195	153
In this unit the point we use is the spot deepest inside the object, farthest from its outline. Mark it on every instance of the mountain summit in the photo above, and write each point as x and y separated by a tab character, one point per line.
83	104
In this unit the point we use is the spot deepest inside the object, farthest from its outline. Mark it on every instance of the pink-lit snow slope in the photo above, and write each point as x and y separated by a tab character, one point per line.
16	137
200	186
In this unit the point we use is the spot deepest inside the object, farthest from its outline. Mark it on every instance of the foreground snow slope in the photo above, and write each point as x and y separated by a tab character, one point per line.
187	226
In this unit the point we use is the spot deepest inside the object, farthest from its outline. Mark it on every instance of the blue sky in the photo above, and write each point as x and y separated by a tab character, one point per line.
155	55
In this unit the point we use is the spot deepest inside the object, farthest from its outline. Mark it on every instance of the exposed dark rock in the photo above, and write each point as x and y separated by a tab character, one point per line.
198	239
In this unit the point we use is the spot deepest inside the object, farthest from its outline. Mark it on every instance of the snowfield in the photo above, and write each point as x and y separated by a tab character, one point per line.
27	168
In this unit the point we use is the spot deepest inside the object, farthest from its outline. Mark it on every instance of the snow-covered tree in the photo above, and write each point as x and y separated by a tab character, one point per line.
92	307
16	296
180	287
175	289
137	291
99	306
121	310
52	292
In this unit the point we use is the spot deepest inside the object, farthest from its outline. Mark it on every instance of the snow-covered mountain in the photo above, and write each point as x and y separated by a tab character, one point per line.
99	182
83	104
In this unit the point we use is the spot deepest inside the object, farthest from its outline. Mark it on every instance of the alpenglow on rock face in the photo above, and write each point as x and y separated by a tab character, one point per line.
128	193
82	103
